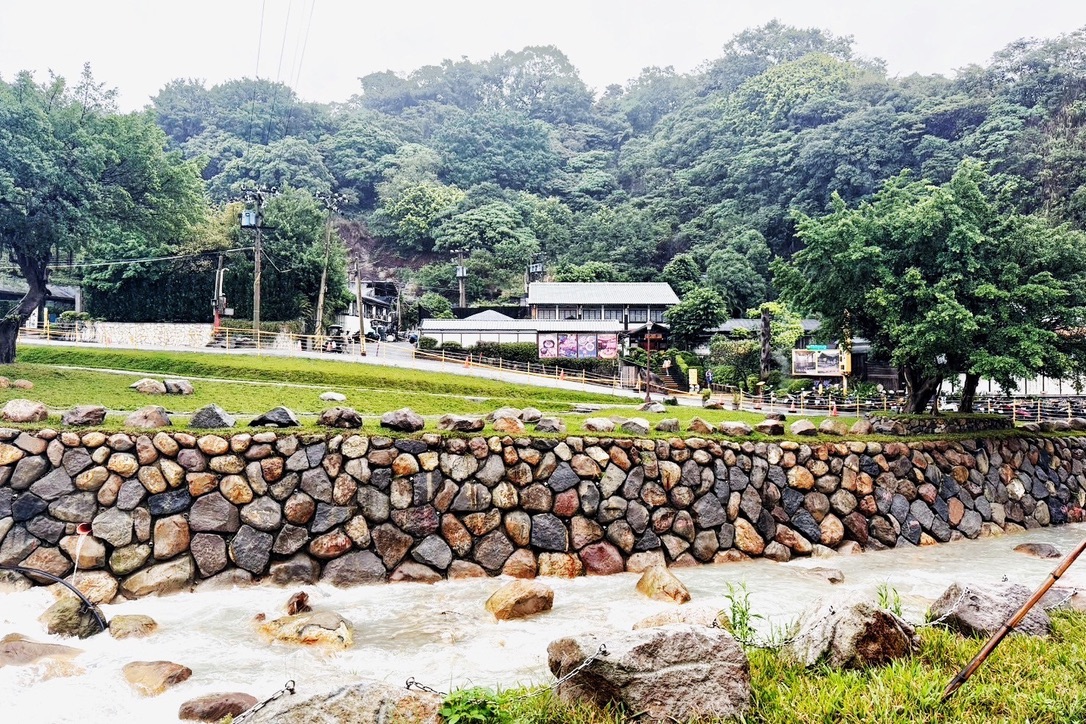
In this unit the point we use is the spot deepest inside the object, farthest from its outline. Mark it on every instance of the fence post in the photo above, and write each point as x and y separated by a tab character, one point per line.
1038	409
1014	412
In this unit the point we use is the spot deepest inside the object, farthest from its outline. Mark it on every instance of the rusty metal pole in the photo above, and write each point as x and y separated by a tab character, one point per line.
1013	621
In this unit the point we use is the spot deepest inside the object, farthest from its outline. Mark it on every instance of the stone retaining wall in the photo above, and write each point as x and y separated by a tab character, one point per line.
907	425
172	509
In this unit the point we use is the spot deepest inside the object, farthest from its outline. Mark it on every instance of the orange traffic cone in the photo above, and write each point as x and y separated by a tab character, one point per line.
562	375
467	361
833	409
793	407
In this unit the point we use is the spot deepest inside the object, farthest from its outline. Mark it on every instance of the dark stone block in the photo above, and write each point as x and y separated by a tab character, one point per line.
647	542
899	508
549	533
26	506
214	513
805	524
419	522
708	512
413	447
328	517
738	480
381	478
46	528
170	502
250	549
563	478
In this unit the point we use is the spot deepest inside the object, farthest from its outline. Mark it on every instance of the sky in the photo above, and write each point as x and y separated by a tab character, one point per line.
322	47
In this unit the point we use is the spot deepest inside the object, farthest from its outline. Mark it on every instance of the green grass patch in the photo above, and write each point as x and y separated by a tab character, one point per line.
324	373
1027	680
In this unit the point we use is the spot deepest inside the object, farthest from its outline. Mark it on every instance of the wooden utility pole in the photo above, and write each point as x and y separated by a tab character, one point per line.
257	254
649	339
767	344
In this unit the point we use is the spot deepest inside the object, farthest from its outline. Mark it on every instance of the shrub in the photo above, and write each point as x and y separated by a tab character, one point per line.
451	347
797	386
427	343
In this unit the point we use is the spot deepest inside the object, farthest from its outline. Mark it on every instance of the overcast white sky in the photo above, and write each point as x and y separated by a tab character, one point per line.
139	45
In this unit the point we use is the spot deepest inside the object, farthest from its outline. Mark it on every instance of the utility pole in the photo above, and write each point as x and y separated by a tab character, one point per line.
257	254
358	304
331	204
218	302
462	278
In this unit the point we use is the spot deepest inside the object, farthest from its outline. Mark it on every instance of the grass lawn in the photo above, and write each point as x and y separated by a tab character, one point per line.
1028	680
250	385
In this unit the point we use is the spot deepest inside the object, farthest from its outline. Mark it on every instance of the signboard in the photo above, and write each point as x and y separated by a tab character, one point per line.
567	346
607	346
816	363
577	346
548	346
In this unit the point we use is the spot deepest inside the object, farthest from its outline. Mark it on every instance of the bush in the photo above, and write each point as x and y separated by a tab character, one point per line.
427	343
515	351
796	386
73	316
451	347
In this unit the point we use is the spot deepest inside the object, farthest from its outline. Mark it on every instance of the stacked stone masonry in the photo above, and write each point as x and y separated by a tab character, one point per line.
171	509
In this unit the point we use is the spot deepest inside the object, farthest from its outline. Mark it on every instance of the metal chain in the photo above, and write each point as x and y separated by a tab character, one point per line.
600	652
951	610
1074	592
288	688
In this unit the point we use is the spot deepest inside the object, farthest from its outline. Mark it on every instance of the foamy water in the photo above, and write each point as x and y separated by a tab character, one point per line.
441	635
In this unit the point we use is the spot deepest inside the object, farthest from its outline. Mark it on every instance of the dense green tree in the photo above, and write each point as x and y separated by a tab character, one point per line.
699	311
501	146
290	162
435	306
74	173
943	282
592	271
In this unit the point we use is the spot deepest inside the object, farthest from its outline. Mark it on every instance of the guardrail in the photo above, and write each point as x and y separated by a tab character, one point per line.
535	369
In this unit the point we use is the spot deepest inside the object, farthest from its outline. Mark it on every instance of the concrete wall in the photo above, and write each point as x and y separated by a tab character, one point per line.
173	509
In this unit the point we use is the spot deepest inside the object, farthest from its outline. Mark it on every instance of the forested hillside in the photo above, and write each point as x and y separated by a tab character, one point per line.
695	179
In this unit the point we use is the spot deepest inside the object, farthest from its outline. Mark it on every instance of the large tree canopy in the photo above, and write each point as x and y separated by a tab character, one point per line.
943	281
73	174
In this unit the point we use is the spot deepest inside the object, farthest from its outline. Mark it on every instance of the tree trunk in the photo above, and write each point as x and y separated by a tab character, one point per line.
767	345
34	271
969	392
921	389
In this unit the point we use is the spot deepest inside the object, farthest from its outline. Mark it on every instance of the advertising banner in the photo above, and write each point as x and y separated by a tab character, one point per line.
607	346
816	363
548	346
567	346
586	346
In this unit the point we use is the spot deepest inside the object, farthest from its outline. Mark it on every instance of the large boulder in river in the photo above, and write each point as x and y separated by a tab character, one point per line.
852	633
520	599
151	678
320	628
667	673
69	617
18	650
367	702
1038	550
659	584
403	420
976	610
215	707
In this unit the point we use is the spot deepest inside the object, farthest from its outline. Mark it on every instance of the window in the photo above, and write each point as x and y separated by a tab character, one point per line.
592	313
613	313
544	313
567	312
656	315
639	314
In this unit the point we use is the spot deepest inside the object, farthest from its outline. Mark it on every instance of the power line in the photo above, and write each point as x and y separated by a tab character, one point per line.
252	105
144	260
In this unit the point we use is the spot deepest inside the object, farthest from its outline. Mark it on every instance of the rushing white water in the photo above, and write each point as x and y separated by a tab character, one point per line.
441	634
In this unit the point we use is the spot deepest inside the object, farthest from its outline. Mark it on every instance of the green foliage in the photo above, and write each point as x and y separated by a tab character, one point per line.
435	306
700	310
473	706
739	618
591	271
427	343
734	360
794	387
889	599
942	281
